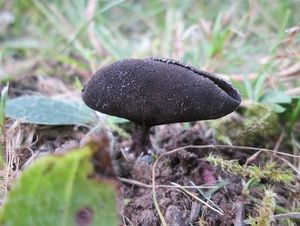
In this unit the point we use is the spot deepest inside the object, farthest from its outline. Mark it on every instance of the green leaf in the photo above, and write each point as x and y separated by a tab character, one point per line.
292	115
65	191
276	97
277	108
46	111
116	120
22	43
259	85
295	113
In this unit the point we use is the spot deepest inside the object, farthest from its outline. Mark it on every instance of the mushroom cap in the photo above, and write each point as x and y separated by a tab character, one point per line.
154	91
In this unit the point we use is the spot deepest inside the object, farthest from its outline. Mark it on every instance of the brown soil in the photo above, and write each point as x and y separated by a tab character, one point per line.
184	168
188	167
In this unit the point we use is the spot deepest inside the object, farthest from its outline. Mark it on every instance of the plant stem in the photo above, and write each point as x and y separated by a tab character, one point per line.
140	138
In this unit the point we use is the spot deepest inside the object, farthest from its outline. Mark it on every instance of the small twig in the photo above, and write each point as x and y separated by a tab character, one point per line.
289	164
282	159
209	200
138	183
290	71
122	214
252	157
293	215
294	91
238	210
218	210
279	141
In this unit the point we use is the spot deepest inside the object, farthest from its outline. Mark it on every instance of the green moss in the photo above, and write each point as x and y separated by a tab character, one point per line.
257	122
271	171
265	210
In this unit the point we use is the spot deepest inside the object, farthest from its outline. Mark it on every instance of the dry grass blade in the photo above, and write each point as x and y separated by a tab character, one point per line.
294	91
291	70
294	215
218	210
208	198
138	183
17	140
238	209
252	157
161	217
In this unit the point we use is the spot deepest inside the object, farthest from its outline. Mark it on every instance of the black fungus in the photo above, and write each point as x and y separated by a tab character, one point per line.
154	91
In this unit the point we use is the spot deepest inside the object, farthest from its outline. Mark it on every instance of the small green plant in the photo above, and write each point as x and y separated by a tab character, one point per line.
292	115
231	166
220	35
271	171
265	210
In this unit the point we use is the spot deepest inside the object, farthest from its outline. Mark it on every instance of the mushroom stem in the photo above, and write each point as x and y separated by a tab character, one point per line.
140	138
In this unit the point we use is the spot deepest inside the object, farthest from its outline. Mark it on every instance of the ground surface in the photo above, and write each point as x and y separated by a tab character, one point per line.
230	201
189	167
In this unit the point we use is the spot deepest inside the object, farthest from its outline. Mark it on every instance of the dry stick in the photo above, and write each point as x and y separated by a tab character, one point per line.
296	149
293	215
138	183
238	210
200	147
209	200
294	91
279	141
200	200
289	164
252	157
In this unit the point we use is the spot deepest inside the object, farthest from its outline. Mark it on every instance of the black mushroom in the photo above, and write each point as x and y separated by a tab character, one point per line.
155	91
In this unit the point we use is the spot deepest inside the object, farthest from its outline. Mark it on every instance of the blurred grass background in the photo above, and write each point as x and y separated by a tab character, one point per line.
244	40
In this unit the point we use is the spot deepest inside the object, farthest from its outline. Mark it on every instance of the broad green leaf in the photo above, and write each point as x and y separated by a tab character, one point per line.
64	191
46	111
276	97
277	108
